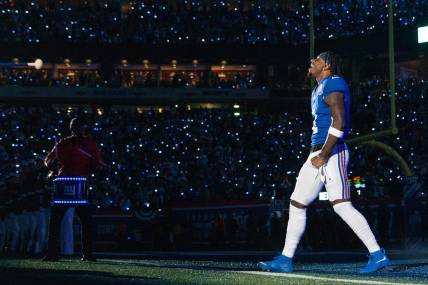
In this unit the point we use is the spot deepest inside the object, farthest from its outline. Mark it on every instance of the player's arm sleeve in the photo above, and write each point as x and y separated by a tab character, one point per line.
334	85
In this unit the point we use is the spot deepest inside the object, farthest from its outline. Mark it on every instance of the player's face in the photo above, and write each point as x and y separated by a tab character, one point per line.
316	67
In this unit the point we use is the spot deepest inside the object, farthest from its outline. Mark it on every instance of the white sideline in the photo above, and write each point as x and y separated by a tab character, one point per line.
310	277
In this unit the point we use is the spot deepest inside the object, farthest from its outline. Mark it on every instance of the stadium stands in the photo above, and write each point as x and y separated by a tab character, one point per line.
197	22
170	155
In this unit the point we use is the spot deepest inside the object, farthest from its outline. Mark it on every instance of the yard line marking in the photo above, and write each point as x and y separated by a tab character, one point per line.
310	277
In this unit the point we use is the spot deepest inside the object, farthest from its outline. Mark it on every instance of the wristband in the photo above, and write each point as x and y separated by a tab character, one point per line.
335	132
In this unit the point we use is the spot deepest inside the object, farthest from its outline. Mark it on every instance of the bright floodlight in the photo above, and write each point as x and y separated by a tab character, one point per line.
423	34
37	64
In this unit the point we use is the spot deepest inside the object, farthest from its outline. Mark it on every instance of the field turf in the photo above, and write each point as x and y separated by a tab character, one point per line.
143	271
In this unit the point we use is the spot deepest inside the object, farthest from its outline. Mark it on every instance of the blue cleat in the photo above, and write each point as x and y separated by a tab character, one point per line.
377	261
280	263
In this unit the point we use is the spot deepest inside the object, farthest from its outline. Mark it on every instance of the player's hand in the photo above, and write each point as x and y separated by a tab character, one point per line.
318	161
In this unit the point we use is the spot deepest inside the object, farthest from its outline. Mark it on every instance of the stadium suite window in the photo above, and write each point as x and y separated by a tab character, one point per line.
181	78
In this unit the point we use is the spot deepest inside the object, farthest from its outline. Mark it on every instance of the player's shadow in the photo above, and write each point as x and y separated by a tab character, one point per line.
24	276
215	267
408	269
400	267
394	270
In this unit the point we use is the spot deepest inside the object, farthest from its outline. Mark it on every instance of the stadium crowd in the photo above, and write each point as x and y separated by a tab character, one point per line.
126	79
197	21
160	157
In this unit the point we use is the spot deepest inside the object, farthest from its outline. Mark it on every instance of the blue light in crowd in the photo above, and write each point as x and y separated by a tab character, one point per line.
69	179
71	202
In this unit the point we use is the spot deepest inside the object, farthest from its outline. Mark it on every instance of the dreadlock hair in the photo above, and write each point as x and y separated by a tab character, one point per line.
334	60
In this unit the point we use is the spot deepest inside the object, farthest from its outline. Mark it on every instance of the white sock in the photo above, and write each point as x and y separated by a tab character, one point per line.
295	229
358	224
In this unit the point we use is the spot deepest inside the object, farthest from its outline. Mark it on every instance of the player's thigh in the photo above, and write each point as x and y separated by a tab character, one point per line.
336	175
308	184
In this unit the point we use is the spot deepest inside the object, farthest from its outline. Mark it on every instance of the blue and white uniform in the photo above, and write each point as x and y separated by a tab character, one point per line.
333	175
321	111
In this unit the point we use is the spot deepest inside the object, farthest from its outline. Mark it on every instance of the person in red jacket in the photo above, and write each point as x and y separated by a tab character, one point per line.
76	155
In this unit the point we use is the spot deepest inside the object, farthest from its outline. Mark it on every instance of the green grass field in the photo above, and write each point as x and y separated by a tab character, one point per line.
118	272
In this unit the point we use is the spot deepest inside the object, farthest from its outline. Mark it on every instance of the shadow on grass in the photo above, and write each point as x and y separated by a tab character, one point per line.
24	276
396	270
197	266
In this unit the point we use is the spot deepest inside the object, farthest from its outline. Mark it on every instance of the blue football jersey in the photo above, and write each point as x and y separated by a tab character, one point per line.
321	112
